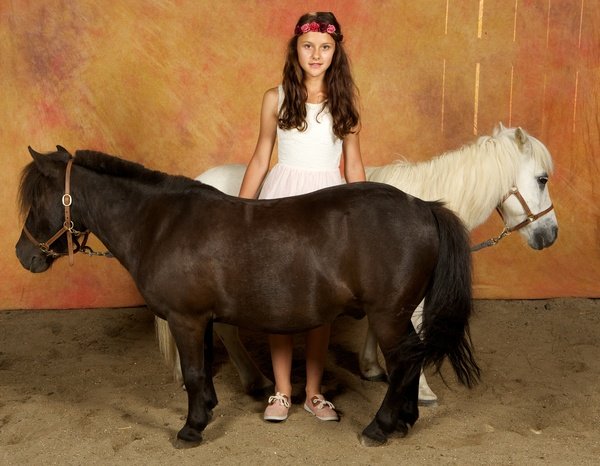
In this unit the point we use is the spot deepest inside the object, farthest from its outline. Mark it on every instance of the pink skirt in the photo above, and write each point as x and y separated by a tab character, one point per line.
285	181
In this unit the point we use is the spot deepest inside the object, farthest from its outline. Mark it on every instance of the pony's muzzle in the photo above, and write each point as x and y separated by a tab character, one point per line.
543	238
32	258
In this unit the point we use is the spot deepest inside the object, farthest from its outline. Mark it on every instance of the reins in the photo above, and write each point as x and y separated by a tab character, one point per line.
530	218
68	228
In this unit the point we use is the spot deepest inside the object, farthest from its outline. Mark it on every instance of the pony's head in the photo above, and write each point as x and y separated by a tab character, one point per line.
41	205
528	207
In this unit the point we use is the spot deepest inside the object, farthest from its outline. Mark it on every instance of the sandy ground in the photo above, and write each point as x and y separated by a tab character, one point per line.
89	387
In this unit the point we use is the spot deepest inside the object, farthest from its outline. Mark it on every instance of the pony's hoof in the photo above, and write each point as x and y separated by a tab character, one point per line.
381	377
369	442
191	436
372	436
183	444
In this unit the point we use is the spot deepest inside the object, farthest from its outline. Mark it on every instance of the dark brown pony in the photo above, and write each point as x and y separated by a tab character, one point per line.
278	266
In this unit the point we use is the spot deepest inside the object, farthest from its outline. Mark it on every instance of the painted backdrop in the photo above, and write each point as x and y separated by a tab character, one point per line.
177	86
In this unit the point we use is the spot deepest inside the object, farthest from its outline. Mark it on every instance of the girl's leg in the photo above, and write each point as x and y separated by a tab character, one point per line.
317	342
282	347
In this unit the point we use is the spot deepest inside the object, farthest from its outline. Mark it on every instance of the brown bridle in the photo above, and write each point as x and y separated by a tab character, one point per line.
530	218
67	228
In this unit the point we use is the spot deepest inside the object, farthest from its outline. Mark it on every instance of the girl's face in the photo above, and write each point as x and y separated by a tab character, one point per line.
315	52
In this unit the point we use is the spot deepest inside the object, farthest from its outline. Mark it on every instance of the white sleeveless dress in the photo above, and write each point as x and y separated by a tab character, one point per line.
307	160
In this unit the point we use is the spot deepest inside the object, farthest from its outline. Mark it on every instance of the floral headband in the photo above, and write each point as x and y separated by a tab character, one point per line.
315	26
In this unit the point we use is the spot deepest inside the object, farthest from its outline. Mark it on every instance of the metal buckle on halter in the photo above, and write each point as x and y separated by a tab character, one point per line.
67	200
46	250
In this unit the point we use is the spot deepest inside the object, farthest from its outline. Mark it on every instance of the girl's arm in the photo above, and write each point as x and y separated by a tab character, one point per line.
353	165
259	163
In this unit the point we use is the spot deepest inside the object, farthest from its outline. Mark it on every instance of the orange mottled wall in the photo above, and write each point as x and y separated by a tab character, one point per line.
177	86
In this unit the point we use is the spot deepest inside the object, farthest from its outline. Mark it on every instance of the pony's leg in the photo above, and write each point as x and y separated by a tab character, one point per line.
409	413
367	359
371	370
253	380
210	395
189	336
399	409
426	395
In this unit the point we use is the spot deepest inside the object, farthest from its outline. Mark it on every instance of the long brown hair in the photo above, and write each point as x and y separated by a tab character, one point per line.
341	90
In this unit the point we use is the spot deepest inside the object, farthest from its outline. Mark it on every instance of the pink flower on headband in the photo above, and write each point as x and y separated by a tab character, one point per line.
314	26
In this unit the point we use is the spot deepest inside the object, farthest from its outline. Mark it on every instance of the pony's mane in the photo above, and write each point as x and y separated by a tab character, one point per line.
477	174
121	168
103	164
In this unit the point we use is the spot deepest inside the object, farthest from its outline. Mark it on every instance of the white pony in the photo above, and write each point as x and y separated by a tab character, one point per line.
507	171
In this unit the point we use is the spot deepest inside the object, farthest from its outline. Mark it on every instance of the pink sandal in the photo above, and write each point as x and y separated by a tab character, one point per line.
321	408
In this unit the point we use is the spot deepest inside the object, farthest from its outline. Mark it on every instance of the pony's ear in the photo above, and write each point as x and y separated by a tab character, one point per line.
521	137
498	129
47	163
62	149
36	155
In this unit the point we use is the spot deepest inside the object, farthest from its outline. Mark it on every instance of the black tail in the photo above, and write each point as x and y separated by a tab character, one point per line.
448	304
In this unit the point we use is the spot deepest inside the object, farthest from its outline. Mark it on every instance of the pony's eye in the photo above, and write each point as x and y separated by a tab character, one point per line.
542	180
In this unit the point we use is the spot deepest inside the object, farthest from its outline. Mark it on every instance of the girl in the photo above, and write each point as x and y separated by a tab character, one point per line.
313	114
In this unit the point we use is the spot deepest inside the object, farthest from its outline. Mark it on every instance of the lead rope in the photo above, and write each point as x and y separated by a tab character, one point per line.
490	242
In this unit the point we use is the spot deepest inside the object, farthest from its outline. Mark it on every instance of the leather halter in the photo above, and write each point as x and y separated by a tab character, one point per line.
530	218
514	191
67	228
